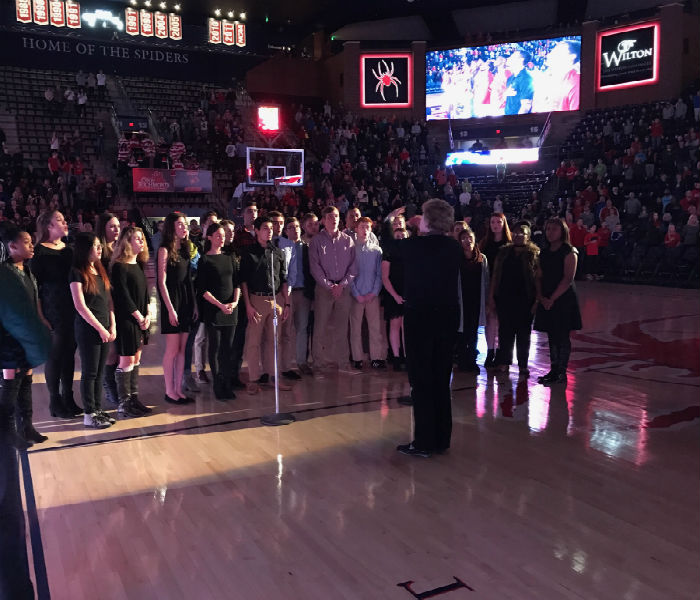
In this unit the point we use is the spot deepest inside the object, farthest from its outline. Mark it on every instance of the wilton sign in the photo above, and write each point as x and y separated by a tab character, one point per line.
628	57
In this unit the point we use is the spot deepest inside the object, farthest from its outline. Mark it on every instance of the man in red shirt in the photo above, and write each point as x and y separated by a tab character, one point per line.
54	165
564	66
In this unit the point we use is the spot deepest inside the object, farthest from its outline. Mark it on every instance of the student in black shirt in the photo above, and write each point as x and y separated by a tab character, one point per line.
431	319
130	294
219	293
94	324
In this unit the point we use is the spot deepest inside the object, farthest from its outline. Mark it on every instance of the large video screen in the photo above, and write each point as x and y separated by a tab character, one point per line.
503	79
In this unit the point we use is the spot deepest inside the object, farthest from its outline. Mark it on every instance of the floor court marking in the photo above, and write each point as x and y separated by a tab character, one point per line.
628	376
438	591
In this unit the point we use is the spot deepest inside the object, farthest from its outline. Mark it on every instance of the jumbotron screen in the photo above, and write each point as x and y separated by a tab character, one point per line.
503	79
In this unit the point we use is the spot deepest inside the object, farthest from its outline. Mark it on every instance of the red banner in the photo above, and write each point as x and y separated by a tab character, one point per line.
240	34
146	23
24	11
131	16
161	25
73	15
214	31
58	16
228	33
41	12
175	26
166	181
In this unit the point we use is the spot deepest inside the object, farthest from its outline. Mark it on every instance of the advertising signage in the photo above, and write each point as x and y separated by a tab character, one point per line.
628	57
169	181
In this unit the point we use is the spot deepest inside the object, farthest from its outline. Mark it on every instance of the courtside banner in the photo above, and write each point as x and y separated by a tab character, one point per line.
168	181
628	57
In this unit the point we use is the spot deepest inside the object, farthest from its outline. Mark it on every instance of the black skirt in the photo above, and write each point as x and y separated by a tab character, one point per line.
564	316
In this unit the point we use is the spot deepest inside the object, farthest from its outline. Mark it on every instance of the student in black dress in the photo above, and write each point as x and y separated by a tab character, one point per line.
94	324
497	236
177	301
474	278
431	317
51	266
108	227
392	281
558	311
219	292
130	294
513	295
16	249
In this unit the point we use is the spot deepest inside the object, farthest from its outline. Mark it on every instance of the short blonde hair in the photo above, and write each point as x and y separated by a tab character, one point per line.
438	215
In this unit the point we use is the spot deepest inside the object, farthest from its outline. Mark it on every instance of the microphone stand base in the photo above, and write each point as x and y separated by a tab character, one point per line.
276	419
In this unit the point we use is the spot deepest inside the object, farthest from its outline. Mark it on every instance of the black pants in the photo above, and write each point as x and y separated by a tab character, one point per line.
93	355
466	341
238	344
559	351
16	393
60	365
15	583
514	328
221	349
430	340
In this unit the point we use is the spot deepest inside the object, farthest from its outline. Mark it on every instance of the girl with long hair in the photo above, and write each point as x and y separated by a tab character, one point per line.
219	292
51	266
16	249
177	301
130	294
512	295
558	311
497	236
108	227
474	276
392	280
95	326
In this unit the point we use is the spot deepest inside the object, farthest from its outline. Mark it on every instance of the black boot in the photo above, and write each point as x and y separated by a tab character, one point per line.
126	407
134	395
8	398
109	385
396	363
220	388
58	409
25	412
70	406
490	361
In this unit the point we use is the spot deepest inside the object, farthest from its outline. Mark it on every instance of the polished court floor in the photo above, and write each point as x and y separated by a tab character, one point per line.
586	492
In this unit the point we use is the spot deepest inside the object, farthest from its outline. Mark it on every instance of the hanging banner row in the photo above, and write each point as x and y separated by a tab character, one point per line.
148	24
44	12
227	32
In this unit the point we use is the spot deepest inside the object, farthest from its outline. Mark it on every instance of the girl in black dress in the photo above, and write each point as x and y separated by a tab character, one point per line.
177	302
51	266
94	324
513	295
16	249
498	235
558	311
392	279
474	276
219	293
130	294
108	231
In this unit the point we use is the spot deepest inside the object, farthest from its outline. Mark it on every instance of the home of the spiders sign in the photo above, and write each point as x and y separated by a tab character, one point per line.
386	80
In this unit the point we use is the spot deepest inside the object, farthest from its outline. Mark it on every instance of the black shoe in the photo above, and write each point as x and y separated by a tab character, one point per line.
103	416
264	379
237	384
524	373
490	361
556	379
378	364
397	364
138	404
291	375
546	378
56	409
411	450
405	400
71	407
357	365
128	409
32	435
203	377
170	400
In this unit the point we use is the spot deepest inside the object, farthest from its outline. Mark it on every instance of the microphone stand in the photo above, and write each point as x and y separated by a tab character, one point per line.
278	418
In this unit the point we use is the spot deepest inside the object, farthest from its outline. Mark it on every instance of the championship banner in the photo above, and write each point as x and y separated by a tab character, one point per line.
161	25
131	16
240	34
41	12
24	11
175	26
168	181
214	31
58	15
228	33
146	23
73	15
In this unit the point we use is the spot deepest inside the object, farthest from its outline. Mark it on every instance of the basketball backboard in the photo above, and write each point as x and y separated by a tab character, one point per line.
272	166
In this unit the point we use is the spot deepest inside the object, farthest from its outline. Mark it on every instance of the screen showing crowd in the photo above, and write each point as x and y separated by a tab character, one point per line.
503	79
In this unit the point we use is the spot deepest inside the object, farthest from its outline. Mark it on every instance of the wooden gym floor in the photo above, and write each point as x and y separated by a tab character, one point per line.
588	492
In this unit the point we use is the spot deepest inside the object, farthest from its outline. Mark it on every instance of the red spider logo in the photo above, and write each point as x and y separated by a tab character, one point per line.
386	79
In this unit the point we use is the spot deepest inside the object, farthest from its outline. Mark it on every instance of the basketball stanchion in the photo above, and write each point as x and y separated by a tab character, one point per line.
277	418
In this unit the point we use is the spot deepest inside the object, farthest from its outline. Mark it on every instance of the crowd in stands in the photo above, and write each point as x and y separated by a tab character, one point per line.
72	101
